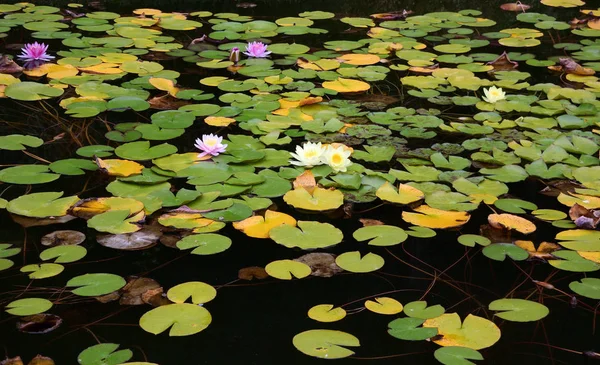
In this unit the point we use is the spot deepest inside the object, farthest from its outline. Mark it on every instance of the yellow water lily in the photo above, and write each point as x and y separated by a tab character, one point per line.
494	94
309	155
338	158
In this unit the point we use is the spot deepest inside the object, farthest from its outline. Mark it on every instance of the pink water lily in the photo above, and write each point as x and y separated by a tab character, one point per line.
257	49
234	55
35	52
210	144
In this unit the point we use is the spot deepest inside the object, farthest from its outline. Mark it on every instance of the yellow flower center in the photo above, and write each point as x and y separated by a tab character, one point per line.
211	142
494	93
311	153
336	159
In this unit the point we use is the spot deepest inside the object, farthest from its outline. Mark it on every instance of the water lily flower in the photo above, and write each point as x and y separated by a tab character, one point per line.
35	52
257	49
210	144
234	55
309	155
494	94
338	158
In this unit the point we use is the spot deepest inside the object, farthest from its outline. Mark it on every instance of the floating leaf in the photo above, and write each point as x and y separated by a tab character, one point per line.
308	235
63	254
184	319
408	329
381	235
509	221
325	344
475	332
205	244
405	194
42	271
588	287
284	269
435	218
384	305
104	354
259	227
198	291
28	306
326	313
457	355
319	200
419	309
343	85
353	262
92	285
519	310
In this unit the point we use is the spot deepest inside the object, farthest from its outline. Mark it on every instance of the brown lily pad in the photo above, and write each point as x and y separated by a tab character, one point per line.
39	323
322	264
140	240
135	288
63	238
252	272
27	222
516	7
503	63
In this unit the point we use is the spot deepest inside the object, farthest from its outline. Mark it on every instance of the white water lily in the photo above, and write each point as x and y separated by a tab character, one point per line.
308	155
494	94
338	158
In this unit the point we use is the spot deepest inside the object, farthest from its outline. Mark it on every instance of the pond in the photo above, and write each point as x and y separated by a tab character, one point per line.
289	182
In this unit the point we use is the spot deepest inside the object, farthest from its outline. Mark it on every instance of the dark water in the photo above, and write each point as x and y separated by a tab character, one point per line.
254	322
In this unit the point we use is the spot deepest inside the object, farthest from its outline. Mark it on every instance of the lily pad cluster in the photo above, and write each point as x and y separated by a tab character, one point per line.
439	126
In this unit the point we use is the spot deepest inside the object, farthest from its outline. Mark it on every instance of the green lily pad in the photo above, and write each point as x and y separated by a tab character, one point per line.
286	269
456	355
27	174
104	354
325	344
419	309
408	329
353	262
141	151
499	251
205	244
19	142
198	291
92	285
28	306
519	310
63	254
42	205
381	235
42	271
588	287
308	235
184	319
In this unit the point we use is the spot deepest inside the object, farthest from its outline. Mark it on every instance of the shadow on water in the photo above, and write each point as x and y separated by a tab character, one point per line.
254	322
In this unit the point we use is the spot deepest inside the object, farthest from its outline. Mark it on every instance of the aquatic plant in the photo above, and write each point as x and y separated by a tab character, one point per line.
494	94
234	55
337	157
210	144
308	155
388	130
35	52
257	50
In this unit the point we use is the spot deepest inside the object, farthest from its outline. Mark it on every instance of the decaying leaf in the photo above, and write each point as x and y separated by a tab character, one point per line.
516	7
64	237
366	222
39	323
322	264
543	252
145	238
511	221
252	272
503	63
